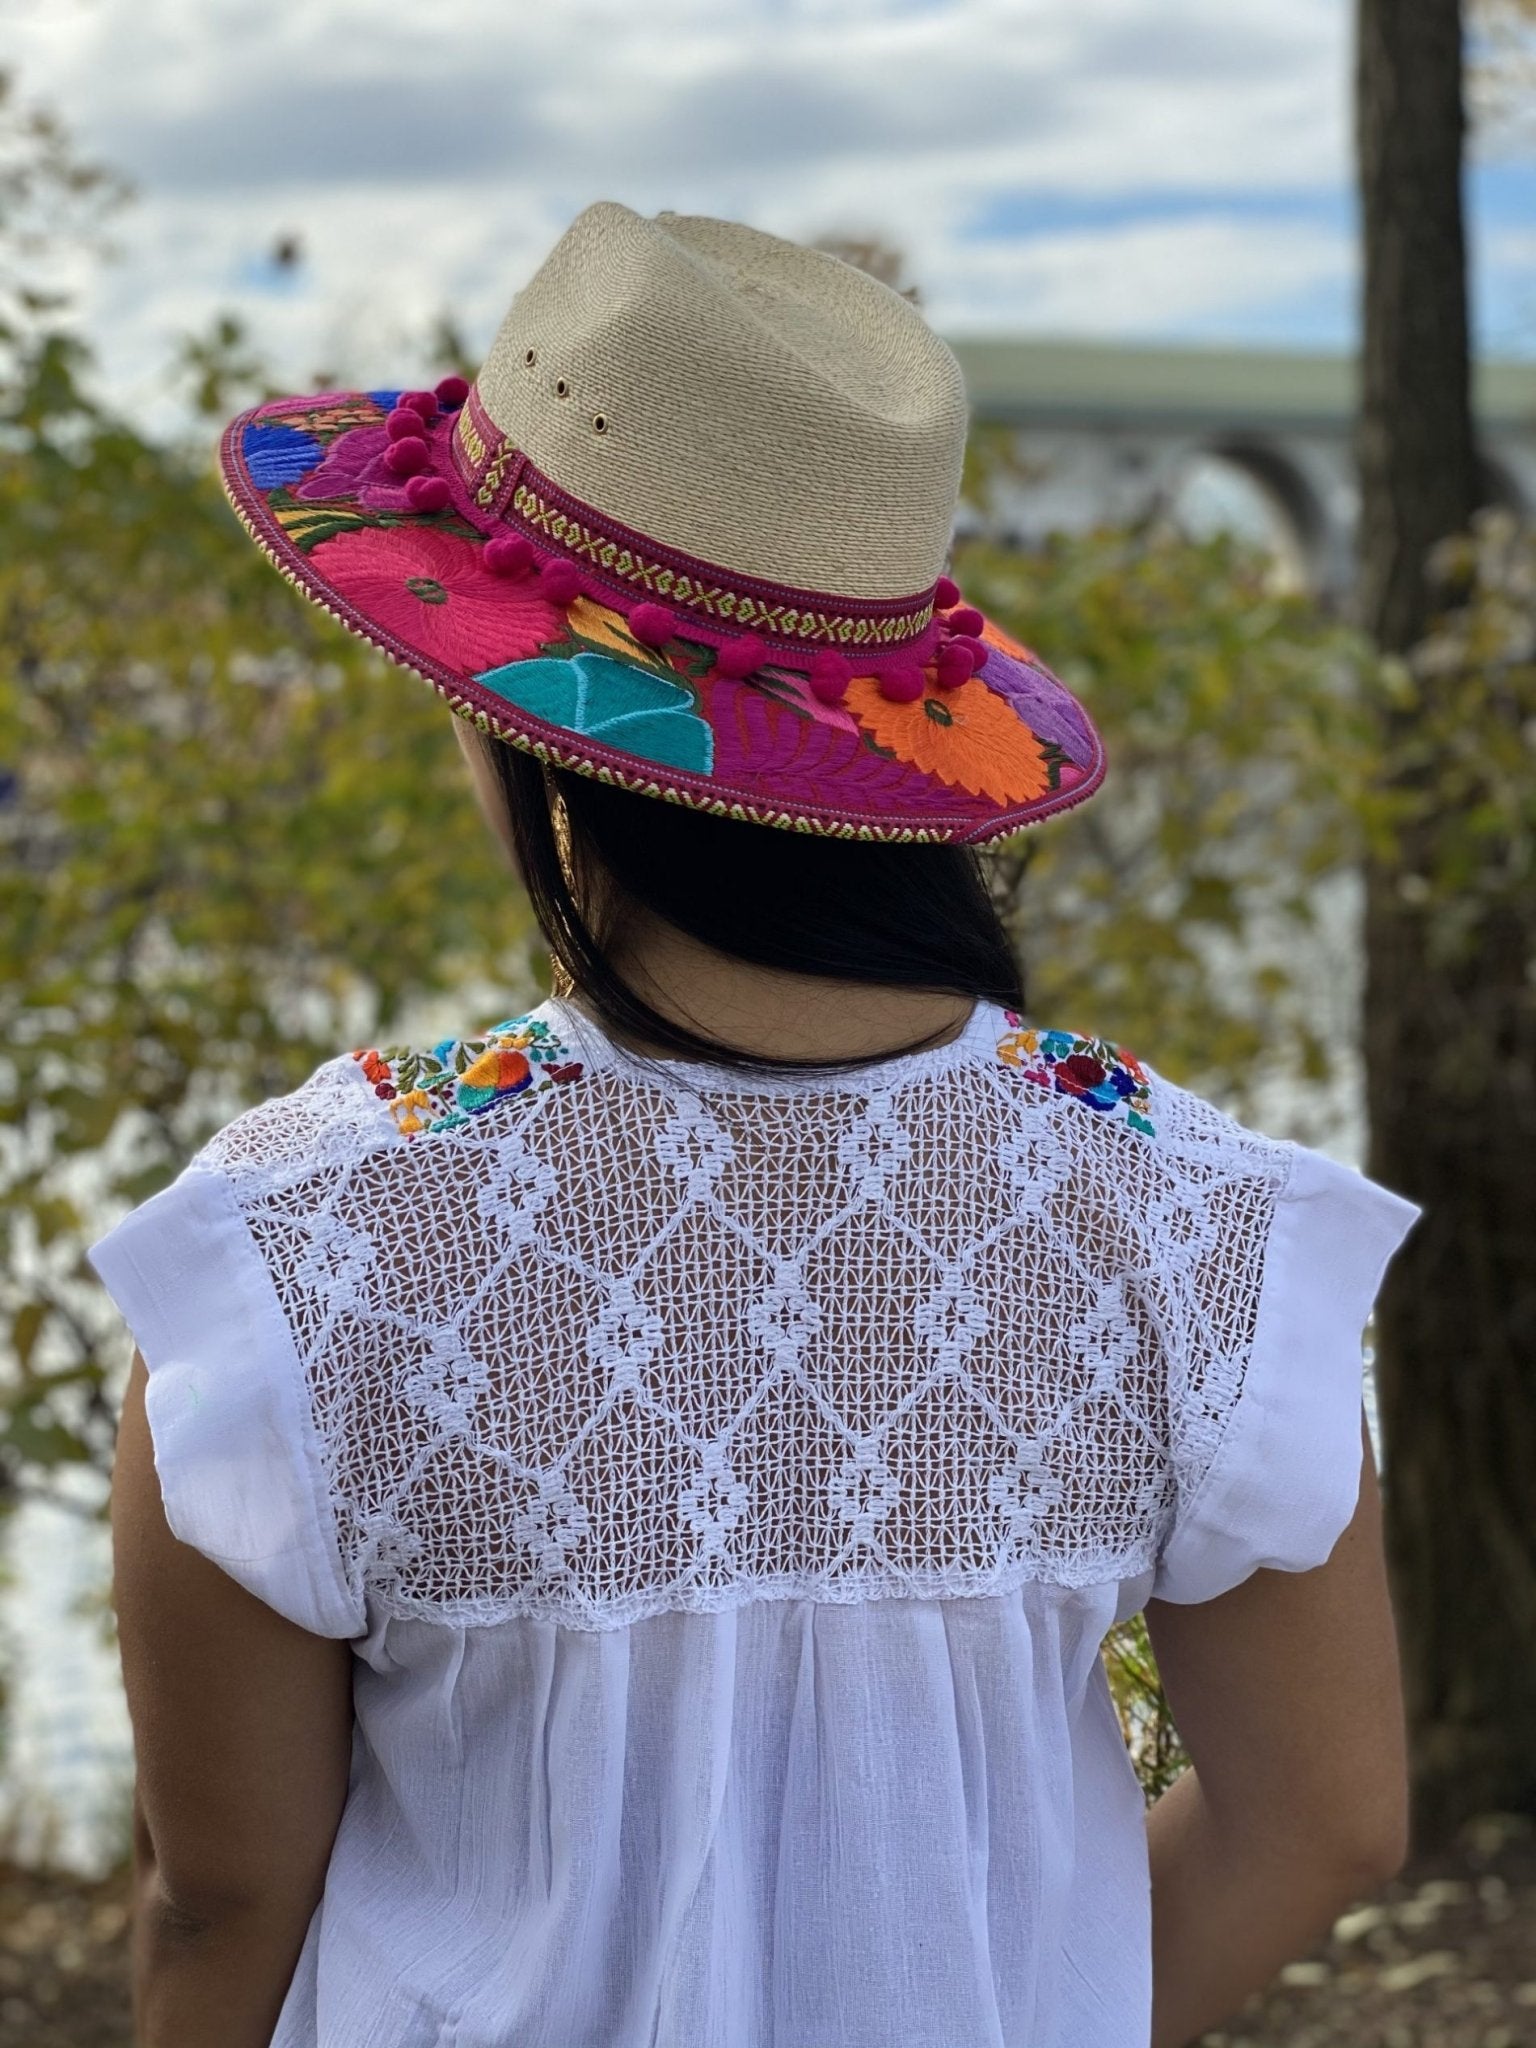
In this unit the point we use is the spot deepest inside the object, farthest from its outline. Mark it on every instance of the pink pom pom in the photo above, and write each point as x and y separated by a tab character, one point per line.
953	666
741	658
403	424
829	678
652	624
452	391
508	555
420	401
966	620
561	582
428	494
405	458
902	685
975	651
945	593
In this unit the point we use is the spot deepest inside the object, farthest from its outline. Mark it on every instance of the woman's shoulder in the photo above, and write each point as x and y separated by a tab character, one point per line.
1114	1087
377	1097
1108	1080
445	1086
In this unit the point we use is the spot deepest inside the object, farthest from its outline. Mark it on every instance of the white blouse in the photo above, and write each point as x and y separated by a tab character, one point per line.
726	1484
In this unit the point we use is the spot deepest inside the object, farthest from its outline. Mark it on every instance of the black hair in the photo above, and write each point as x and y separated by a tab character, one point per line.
909	916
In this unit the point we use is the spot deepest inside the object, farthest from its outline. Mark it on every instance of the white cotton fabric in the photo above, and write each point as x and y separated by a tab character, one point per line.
726	1484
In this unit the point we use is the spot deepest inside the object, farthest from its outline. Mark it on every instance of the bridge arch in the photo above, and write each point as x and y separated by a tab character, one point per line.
1256	489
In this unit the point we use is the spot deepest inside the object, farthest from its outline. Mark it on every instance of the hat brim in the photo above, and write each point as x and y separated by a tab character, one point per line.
570	683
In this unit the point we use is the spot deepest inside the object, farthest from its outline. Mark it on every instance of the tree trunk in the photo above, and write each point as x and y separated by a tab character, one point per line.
1450	1031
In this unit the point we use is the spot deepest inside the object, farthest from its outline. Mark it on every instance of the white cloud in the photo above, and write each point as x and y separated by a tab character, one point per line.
1150	277
428	160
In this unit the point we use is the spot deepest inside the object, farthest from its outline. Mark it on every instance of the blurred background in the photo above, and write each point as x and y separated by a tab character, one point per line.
1249	328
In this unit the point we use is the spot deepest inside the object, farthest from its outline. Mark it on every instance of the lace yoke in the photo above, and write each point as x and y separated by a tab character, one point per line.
587	1336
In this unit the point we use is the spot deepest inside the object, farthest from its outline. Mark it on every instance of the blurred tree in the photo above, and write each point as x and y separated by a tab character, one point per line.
449	349
53	205
1450	1001
1187	917
232	843
220	371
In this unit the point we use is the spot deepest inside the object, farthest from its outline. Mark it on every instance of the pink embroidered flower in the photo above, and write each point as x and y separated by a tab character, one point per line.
351	461
433	592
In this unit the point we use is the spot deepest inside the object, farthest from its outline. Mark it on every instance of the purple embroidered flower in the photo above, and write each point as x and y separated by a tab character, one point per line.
1042	703
277	455
354	467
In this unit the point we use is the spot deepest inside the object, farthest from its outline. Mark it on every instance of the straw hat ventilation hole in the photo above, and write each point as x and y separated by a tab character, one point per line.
562	389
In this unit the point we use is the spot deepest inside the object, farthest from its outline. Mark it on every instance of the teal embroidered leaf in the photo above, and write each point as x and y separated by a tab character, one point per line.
648	715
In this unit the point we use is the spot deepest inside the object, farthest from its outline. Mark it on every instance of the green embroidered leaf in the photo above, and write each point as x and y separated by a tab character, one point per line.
307	529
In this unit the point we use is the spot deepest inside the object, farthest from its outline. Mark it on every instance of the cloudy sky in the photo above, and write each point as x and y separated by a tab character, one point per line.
1114	169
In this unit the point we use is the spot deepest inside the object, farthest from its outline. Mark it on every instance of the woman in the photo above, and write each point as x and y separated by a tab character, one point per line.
616	1516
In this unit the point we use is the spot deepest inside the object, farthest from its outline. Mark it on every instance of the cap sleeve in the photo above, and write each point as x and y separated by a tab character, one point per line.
1267	1466
236	1447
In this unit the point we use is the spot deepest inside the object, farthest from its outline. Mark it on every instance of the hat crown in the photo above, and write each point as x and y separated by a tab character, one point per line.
760	406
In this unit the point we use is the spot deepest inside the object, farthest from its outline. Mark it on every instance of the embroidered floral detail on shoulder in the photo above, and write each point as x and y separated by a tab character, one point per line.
461	1078
1105	1076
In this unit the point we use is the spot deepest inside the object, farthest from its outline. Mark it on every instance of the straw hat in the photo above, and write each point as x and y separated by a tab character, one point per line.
685	532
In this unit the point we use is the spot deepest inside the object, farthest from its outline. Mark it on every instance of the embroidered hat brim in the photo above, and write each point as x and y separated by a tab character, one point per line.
563	673
685	533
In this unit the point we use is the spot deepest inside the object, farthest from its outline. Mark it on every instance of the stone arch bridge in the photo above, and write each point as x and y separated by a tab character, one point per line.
1255	440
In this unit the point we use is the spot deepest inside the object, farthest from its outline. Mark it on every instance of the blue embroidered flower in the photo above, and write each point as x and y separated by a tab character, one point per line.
644	714
277	455
388	399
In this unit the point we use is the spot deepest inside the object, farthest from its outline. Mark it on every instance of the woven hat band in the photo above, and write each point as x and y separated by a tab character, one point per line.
507	490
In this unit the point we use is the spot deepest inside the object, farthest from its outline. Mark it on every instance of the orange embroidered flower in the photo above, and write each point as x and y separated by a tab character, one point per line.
500	1071
969	737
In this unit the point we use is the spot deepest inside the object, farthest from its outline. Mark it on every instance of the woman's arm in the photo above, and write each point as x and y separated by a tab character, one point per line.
242	1726
1287	1693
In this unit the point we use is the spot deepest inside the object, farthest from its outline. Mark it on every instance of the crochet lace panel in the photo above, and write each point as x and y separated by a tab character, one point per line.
624	1345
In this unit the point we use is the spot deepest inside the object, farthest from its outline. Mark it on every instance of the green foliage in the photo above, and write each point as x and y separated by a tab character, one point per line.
1145	1722
1178	912
232	843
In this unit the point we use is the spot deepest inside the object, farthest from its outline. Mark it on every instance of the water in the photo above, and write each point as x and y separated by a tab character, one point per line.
68	1770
